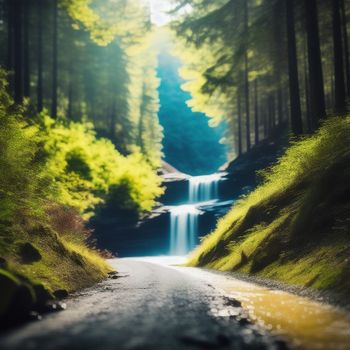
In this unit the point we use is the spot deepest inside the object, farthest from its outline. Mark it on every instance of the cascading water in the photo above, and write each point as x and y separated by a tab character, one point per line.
203	188
184	218
183	229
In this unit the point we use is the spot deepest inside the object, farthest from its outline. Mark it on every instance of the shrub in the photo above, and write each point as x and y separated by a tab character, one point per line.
23	185
87	169
67	222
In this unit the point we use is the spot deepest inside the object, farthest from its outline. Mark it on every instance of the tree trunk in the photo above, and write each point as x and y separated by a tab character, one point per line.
279	104
346	46
239	113
140	142
113	121
307	95
9	64
339	80
273	112
54	60
256	112
246	76
265	118
317	99
40	105
70	97
294	92
26	51
286	103
270	116
17	36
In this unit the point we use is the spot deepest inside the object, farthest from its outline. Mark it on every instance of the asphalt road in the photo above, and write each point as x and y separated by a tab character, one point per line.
149	306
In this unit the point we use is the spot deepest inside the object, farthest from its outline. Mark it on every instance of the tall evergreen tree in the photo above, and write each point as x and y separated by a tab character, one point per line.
26	48
346	45
316	83
54	85
39	54
339	78
294	94
246	74
17	21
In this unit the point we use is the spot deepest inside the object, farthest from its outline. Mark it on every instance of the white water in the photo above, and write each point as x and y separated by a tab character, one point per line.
184	218
203	188
183	229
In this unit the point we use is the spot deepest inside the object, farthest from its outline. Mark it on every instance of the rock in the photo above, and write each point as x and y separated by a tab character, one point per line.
243	321
29	253
232	302
112	273
43	296
8	287
55	306
21	301
34	316
60	294
17	300
22	304
61	306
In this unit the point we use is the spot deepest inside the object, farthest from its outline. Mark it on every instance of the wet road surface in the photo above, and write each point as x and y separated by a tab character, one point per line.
149	306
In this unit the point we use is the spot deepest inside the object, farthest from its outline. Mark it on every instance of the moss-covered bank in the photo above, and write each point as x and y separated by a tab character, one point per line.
38	266
294	227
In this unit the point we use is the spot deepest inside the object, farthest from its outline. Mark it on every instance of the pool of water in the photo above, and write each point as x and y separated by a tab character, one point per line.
305	323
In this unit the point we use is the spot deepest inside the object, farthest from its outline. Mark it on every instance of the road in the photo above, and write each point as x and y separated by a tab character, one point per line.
150	306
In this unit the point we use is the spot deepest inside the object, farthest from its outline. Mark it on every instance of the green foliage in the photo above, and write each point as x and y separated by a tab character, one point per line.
103	76
114	86
26	189
86	168
53	174
142	98
106	20
215	38
22	183
297	218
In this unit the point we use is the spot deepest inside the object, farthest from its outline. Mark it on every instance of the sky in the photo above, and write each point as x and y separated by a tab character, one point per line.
159	9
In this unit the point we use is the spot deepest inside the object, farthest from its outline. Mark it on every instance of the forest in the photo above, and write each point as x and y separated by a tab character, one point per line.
269	66
216	130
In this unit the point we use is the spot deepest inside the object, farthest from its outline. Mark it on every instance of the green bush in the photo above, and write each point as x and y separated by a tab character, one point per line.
86	169
23	185
76	169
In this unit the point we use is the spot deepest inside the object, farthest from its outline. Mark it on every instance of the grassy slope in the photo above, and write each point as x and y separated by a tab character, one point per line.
295	227
63	264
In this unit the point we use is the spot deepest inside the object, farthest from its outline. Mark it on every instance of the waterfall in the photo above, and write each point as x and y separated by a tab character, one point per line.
183	229
203	188
184	218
